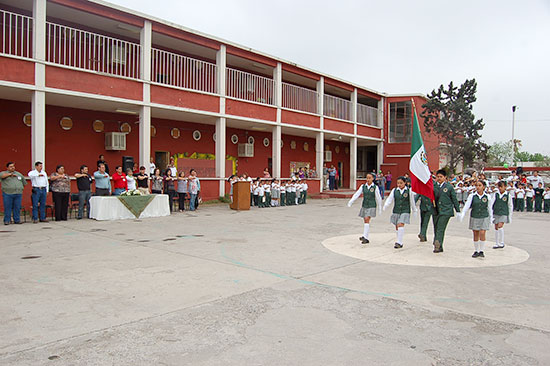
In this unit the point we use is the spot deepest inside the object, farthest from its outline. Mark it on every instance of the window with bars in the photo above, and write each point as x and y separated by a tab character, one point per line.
400	122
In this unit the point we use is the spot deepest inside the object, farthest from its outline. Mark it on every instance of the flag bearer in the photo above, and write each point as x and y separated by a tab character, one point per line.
481	216
372	202
403	201
445	206
503	207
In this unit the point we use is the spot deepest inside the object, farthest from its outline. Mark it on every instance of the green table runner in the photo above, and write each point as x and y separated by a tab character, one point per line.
136	204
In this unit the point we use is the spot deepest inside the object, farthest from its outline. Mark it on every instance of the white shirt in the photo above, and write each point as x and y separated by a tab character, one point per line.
535	180
152	168
39	179
468	204
520	193
390	198
174	171
131	180
530	193
547	195
377	195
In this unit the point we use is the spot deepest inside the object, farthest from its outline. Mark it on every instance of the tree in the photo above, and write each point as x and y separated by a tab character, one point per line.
500	153
448	114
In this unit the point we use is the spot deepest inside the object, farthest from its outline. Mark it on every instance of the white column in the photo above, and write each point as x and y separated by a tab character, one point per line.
145	111
321	99
278	89
220	153
381	103
221	123
276	156
320	156
38	100
353	163
379	155
354	110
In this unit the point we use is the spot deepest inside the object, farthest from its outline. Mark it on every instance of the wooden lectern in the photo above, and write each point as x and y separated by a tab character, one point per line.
241	196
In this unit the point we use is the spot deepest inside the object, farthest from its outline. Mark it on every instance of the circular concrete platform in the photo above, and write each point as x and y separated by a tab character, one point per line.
457	254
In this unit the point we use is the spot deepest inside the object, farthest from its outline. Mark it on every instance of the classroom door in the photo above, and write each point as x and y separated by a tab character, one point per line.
161	160
340	168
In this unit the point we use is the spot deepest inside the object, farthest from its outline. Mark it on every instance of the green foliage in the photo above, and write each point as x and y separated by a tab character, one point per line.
448	114
500	153
225	198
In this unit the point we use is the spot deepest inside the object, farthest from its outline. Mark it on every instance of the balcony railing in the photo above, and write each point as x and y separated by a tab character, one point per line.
337	107
90	51
254	88
367	115
182	71
16	34
298	98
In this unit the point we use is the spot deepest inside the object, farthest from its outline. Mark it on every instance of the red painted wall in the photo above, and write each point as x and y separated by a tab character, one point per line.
186	99
300	119
338	126
61	78
251	110
339	157
297	155
369	131
16	70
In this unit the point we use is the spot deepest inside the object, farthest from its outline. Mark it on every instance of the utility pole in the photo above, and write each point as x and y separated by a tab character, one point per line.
513	137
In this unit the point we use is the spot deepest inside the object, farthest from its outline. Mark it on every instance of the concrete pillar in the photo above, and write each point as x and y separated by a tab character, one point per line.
379	155
278	89
320	155
381	103
353	163
38	100
145	111
221	123
354	110
276	156
321	99
220	153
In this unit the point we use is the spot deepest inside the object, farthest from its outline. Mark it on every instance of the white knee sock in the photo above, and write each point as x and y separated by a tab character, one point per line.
481	246
497	237
476	246
400	233
501	230
366	231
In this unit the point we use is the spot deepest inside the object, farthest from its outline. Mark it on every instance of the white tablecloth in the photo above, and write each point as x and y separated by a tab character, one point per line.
110	208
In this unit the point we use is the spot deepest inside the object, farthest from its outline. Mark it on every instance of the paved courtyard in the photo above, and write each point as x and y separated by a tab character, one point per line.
277	286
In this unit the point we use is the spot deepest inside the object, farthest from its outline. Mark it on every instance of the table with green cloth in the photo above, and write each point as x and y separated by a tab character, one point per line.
129	207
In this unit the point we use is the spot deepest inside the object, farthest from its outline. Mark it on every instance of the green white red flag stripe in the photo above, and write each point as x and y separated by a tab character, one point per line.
421	177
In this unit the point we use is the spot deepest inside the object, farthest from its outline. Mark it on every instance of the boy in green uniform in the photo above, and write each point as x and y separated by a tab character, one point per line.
445	206
426	211
547	200
539	191
529	194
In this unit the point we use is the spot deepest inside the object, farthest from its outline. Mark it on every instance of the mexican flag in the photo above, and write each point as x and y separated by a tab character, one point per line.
421	177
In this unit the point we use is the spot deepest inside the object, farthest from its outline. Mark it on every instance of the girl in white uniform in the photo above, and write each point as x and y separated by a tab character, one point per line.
403	199
372	202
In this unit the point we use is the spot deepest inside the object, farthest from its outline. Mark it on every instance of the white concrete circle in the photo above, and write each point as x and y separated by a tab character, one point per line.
457	251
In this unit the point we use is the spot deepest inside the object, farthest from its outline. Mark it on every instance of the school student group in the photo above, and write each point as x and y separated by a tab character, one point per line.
488	205
268	192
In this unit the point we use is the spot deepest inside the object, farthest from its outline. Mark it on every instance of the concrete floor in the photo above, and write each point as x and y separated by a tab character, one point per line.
219	287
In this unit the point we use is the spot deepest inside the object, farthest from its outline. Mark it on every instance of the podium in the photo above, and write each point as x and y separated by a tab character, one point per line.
241	196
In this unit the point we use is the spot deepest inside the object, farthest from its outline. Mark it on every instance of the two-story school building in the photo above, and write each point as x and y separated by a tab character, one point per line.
83	78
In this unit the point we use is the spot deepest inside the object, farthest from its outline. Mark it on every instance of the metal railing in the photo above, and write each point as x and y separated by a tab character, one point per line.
298	98
182	71
246	86
337	107
367	115
90	51
16	34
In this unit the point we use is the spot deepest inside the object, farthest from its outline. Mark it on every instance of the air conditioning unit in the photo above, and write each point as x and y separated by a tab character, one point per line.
328	155
246	150
115	141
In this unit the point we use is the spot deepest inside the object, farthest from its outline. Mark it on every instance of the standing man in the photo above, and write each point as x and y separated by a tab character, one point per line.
13	183
102	161
426	211
445	205
143	181
102	181
331	177
172	167
152	166
119	181
325	177
84	183
535	179
40	187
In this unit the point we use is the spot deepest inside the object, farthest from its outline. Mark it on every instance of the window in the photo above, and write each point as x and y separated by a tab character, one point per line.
400	122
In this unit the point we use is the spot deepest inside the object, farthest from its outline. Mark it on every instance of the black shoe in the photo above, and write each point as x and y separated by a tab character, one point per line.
35	221
438	251
43	220
437	246
481	255
79	218
18	223
398	246
475	255
364	240
6	223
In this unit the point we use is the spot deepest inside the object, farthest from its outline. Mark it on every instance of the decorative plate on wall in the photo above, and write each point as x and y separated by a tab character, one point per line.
306	146
27	119
337	149
66	123
250	139
327	147
214	136
175	132
153	131
347	150
197	135
98	126
234	139
266	142
125	127
293	145
282	143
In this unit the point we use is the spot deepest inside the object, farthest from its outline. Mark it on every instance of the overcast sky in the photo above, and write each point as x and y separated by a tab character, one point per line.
400	46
